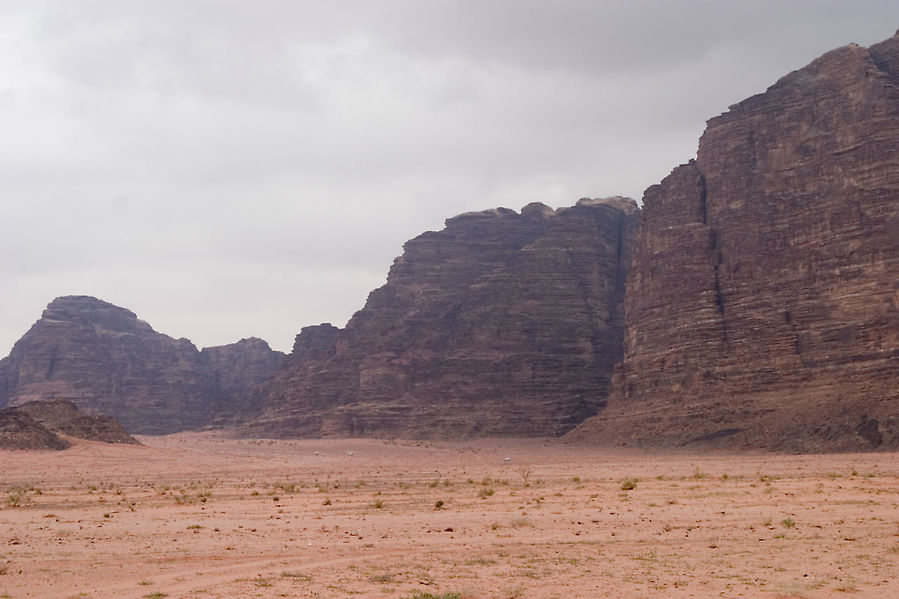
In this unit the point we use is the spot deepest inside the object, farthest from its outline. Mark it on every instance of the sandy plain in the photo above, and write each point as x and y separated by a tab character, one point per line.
199	515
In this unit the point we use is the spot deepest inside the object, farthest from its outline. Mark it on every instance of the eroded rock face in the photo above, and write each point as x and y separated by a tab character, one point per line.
503	323
105	360
763	302
237	369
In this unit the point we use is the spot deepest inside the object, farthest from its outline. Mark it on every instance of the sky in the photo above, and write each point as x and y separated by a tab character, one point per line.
228	169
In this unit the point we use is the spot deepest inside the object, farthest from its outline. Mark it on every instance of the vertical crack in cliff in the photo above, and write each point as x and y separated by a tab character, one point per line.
54	356
714	257
616	303
703	207
620	267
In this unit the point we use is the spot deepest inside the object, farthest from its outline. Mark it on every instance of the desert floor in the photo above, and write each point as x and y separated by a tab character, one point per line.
199	515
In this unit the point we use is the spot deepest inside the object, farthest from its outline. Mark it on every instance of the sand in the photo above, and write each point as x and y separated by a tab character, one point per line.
199	515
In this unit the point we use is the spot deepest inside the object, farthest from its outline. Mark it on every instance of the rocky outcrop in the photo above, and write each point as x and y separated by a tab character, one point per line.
62	417
105	360
503	323
763	302
20	431
39	424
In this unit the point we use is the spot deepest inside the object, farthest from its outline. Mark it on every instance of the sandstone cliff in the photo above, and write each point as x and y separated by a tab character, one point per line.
503	323
236	370
763	301
105	360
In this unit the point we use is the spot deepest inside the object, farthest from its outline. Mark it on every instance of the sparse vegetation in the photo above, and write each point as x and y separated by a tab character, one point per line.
504	536
486	492
628	484
16	498
524	471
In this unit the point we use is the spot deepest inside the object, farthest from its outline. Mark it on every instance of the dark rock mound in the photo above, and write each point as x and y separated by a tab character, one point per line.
20	431
63	417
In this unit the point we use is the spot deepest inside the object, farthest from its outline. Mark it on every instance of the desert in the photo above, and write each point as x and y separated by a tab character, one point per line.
203	515
687	391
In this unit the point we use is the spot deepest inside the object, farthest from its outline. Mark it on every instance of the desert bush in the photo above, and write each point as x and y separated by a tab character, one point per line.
486	492
629	484
525	472
16	498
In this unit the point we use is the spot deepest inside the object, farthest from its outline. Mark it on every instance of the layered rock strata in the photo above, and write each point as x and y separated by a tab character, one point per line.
236	370
503	323
105	360
763	301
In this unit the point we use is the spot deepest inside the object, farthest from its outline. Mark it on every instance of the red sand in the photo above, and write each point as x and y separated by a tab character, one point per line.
197	515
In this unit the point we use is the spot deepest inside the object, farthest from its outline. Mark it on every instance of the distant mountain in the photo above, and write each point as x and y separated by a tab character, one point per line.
503	323
105	360
763	302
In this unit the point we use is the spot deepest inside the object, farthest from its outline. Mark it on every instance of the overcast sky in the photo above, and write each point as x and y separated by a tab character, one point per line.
228	169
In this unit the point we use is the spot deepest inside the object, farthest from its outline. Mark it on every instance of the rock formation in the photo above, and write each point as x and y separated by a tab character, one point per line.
763	303
20	431
503	323
105	360
39	424
236	371
62	417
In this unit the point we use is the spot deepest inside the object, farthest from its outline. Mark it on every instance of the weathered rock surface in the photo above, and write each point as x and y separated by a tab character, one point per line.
236	370
105	360
39	424
62	417
503	323
20	431
763	301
